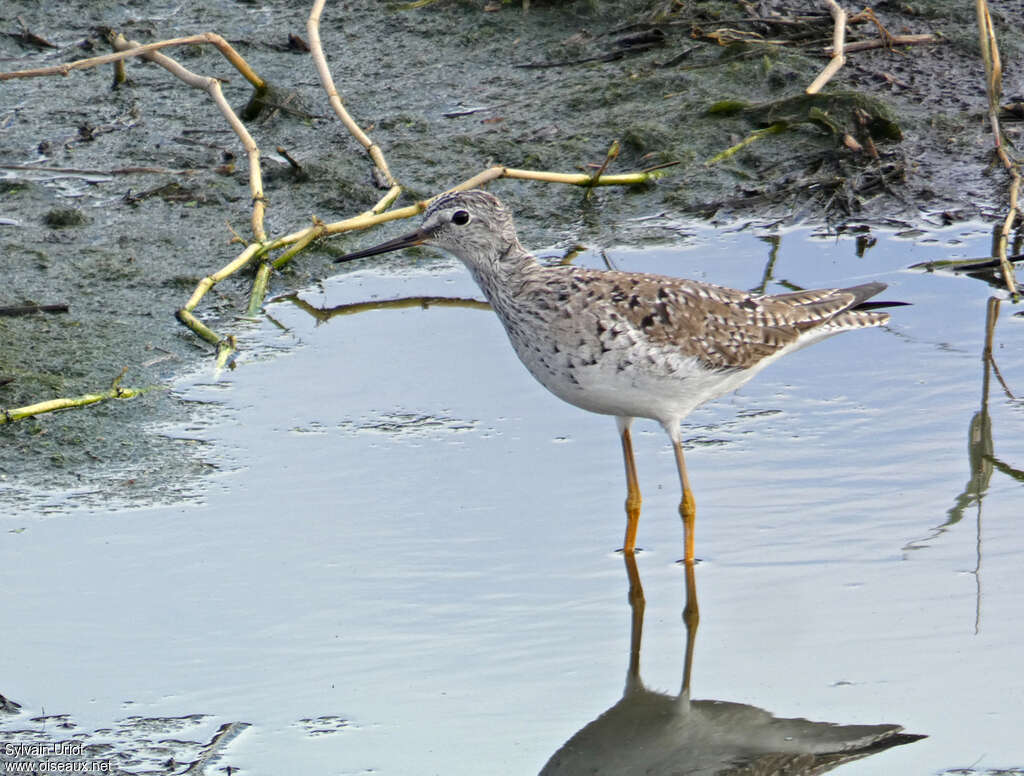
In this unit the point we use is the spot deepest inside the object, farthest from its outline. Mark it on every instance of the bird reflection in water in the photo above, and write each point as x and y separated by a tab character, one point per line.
656	734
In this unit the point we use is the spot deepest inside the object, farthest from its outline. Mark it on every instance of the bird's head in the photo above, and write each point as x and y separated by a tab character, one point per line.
472	225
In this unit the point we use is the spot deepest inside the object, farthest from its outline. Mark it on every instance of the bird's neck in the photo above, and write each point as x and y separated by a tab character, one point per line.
504	274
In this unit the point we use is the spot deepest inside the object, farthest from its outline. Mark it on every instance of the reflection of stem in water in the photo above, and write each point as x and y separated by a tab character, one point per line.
981	458
774	241
983	466
424	302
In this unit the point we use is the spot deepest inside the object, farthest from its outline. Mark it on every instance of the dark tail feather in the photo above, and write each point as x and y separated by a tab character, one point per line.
881	305
864	292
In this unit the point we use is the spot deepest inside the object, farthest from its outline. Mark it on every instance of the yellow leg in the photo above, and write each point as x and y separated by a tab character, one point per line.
633	498
687	507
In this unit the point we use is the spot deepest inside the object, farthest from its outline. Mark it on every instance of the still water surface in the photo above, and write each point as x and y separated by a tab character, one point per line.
405	562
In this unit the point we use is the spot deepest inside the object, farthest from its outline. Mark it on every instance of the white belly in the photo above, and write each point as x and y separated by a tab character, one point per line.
666	396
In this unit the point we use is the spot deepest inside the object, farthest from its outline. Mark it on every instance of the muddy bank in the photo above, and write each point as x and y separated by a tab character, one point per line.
446	90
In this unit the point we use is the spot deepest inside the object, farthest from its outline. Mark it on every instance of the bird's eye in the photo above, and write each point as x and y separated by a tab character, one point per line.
460	217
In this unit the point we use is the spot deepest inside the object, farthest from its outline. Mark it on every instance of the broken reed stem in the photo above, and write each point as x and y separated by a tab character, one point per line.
259	288
891	42
375	216
993	65
141	50
612	155
20	413
387	200
757	134
126	49
318	230
838	57
994	87
301	239
211	86
230	269
259	285
317	52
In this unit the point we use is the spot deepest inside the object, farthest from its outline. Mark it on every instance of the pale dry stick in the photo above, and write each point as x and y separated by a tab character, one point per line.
259	287
317	52
993	64
370	218
207	37
838	57
571	179
993	87
211	86
726	36
127	49
891	42
226	345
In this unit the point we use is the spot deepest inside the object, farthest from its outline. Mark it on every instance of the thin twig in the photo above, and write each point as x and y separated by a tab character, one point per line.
613	153
757	134
838	57
81	171
297	241
317	52
30	309
890	42
141	50
212	87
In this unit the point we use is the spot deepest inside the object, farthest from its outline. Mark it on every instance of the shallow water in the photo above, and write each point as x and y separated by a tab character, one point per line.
405	563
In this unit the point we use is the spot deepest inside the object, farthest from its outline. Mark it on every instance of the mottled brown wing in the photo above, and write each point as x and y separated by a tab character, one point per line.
723	327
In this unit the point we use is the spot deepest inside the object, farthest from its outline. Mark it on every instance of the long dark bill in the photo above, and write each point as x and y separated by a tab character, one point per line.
407	241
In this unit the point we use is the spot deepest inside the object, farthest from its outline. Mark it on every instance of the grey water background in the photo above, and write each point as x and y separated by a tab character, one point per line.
405	561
